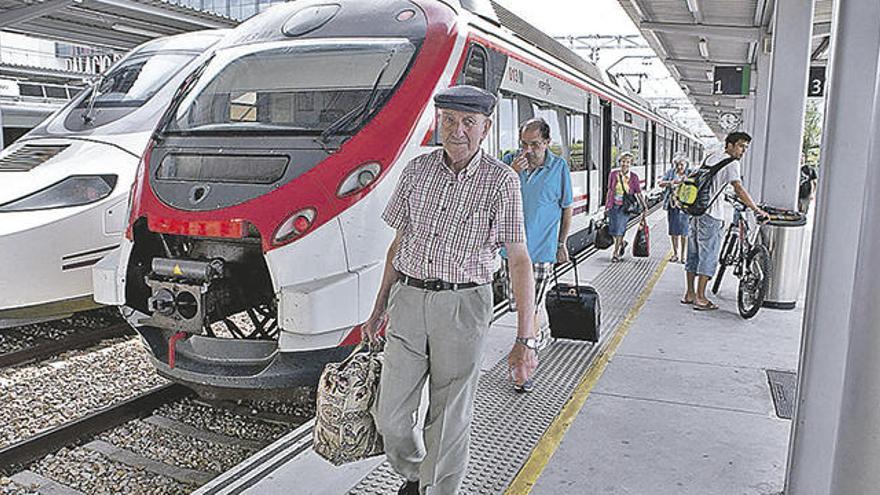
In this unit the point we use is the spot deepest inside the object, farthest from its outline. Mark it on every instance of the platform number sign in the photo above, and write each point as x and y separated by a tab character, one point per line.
816	86
731	80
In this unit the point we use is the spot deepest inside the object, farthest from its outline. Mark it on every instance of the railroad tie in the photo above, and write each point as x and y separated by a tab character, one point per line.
127	457
208	436
42	485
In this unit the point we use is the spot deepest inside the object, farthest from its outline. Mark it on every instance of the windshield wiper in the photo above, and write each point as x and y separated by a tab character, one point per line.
355	116
87	115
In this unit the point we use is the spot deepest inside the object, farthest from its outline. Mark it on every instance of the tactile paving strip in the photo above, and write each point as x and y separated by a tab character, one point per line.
506	425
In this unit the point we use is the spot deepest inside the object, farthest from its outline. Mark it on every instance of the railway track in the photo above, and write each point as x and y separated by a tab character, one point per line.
32	343
72	342
162	441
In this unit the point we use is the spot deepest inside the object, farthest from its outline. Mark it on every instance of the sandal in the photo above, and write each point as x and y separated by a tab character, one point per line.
615	259
685	301
708	306
673	259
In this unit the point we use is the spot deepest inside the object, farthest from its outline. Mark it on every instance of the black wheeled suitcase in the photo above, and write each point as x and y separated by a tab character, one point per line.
574	310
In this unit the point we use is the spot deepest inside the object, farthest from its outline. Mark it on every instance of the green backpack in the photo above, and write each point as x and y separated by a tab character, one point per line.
693	194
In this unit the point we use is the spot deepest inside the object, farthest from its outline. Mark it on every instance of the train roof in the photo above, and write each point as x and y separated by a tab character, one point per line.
535	37
303	19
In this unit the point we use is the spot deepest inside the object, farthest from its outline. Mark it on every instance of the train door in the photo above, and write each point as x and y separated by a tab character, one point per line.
605	170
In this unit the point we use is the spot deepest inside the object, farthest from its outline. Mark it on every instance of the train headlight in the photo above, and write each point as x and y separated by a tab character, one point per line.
295	226
76	190
358	179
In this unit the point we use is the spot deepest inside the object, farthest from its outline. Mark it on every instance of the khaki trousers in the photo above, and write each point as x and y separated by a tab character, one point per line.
439	337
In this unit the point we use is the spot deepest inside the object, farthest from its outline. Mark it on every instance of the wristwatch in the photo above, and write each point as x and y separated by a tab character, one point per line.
560	244
529	342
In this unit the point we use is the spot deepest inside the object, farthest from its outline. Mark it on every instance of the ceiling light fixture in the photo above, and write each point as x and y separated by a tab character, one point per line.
704	48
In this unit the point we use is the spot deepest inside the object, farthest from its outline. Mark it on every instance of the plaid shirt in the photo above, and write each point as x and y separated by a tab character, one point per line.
453	225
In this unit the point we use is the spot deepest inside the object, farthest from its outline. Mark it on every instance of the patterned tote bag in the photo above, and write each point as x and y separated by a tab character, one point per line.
344	428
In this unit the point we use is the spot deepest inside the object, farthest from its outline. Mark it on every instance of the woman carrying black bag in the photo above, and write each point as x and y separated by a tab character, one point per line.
623	200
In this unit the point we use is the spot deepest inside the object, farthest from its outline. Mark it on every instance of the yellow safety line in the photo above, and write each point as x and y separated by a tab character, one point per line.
551	439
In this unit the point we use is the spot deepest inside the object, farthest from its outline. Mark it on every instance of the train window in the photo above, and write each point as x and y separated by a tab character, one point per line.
552	118
30	90
508	125
475	69
576	141
56	92
595	141
332	88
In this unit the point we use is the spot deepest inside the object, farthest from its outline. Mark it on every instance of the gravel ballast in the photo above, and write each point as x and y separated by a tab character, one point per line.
92	473
73	385
169	447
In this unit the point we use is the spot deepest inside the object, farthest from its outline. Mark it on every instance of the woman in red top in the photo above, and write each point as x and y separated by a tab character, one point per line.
614	201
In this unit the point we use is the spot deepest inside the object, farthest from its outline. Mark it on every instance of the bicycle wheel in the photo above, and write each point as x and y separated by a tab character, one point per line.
725	259
754	282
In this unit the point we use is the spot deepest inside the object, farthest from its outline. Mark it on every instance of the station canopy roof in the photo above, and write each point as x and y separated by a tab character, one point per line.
694	36
117	24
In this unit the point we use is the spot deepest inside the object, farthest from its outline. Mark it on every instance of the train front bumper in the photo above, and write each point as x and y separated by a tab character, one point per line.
221	368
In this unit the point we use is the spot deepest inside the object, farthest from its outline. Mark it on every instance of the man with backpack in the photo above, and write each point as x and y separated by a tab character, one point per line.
707	215
806	186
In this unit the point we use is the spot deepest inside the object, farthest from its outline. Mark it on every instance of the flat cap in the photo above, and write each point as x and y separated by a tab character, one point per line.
466	99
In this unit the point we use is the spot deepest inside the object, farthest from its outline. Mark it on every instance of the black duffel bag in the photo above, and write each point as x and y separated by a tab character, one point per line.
573	310
603	238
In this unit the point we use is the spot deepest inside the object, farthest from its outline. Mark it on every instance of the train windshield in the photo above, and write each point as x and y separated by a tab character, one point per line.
125	88
136	80
321	87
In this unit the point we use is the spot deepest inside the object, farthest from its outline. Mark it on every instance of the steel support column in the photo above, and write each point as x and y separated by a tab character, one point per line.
858	441
790	66
754	173
846	136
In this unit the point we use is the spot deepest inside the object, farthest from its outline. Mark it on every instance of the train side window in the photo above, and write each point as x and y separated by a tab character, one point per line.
475	71
616	143
508	125
30	90
576	141
595	141
552	118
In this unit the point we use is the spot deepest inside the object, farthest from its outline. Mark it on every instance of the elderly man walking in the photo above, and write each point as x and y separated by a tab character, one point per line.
453	209
545	183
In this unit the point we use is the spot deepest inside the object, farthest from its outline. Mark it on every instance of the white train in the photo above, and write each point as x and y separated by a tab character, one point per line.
254	248
64	196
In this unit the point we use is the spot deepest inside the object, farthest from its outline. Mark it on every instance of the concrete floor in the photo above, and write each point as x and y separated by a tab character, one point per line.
684	406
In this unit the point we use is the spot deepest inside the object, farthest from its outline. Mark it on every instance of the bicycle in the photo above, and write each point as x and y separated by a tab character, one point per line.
744	250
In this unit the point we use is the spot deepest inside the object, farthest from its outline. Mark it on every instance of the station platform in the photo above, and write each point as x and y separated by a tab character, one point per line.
671	401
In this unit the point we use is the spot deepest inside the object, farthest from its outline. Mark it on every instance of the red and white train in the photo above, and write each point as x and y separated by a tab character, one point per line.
254	247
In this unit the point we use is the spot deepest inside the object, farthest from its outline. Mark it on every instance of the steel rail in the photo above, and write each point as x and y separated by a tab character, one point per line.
22	453
74	341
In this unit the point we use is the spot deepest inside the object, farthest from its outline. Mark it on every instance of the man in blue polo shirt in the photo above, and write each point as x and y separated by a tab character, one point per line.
546	193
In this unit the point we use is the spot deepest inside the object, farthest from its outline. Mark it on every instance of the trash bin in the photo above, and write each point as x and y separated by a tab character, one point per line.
784	238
